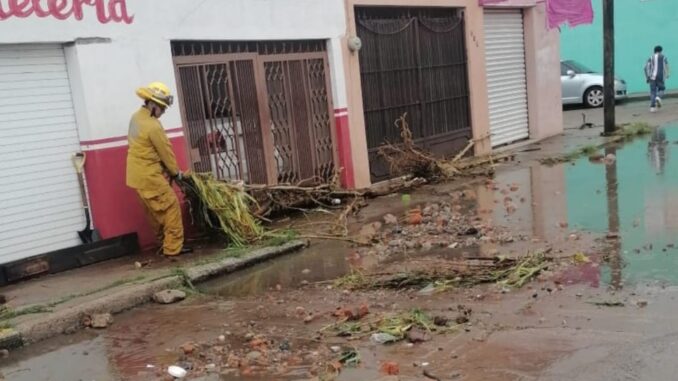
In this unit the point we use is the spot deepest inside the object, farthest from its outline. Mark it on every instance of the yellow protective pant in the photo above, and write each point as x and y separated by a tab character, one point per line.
164	215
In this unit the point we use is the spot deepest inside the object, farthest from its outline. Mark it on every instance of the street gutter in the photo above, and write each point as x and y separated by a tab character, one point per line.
116	300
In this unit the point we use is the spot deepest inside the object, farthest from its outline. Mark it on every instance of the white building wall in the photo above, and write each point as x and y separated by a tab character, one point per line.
109	61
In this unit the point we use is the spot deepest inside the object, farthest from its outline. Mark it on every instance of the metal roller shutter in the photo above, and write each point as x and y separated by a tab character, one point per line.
506	76
40	203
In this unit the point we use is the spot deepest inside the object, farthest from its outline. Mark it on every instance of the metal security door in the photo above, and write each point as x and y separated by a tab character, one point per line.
506	76
414	60
255	112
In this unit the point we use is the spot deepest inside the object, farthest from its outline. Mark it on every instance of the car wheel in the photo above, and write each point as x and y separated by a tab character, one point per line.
594	97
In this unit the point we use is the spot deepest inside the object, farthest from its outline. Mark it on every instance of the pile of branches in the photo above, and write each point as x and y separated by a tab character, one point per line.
504	271
406	158
222	206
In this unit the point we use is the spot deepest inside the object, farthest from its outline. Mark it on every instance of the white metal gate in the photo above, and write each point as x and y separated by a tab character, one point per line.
506	76
40	203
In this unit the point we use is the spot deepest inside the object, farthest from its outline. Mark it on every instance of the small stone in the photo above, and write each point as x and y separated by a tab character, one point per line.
4	353
233	361
101	320
304	282
253	356
395	243
579	295
284	345
278	287
426	246
305	271
453	245
416	335
169	296
221	338
335	348
249	336
301	311
390	219
440	321
188	348
641	303
309	318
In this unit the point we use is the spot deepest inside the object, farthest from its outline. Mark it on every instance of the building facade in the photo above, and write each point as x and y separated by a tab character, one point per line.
269	91
639	27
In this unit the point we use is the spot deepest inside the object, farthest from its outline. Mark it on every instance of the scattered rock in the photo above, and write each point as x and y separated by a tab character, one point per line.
285	346
390	368
441	321
390	219
306	271
369	232
100	321
641	303
233	361
415	217
188	348
612	235
461	319
221	338
395	243
416	335
169	296
253	356
335	348
471	231
309	318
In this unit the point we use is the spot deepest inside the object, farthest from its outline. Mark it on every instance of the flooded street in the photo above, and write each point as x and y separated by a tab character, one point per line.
612	317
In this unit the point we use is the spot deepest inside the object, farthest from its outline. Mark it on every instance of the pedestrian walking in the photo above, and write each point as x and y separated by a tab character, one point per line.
656	73
149	159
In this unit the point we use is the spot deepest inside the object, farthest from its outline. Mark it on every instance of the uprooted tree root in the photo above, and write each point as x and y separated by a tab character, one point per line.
406	158
504	271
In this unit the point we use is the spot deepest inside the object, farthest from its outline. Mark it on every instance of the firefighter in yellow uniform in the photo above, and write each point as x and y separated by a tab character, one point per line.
149	159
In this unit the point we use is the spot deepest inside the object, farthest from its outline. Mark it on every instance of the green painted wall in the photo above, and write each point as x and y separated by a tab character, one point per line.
639	26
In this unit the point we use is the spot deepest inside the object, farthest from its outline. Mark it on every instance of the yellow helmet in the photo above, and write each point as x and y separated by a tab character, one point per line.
156	92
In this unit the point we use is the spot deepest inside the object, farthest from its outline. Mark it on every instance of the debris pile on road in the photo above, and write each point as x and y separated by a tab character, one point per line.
434	226
431	274
414	325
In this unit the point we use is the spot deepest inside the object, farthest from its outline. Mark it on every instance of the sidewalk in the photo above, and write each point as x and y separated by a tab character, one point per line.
56	304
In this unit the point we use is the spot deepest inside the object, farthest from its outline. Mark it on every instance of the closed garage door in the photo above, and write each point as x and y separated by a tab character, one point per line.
506	76
40	203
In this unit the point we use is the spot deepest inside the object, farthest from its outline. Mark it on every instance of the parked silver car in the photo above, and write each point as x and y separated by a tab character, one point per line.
582	85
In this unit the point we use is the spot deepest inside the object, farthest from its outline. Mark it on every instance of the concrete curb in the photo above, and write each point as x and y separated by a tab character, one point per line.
69	319
635	97
200	273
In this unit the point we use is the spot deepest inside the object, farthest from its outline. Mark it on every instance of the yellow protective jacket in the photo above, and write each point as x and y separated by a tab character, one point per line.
150	154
